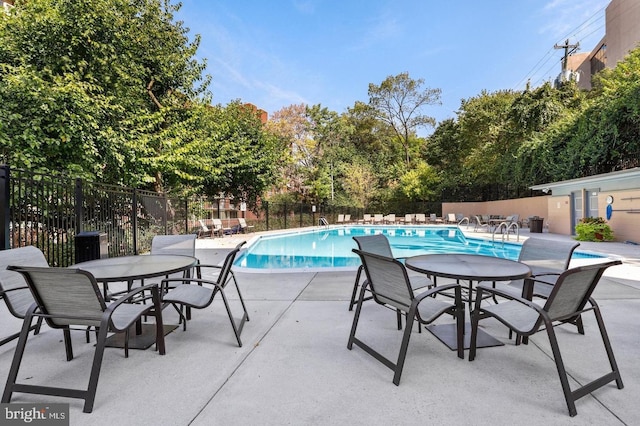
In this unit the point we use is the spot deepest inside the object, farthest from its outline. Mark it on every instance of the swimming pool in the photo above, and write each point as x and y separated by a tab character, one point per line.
321	249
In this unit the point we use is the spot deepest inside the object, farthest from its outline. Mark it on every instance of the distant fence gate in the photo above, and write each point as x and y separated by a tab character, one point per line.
49	210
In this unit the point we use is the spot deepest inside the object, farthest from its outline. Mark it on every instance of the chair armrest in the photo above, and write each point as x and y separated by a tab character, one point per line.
496	291
435	290
129	296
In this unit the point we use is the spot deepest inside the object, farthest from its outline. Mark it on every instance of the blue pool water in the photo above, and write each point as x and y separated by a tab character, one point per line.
331	248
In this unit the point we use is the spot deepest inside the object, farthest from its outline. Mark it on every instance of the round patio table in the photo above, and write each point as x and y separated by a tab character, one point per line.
130	269
472	268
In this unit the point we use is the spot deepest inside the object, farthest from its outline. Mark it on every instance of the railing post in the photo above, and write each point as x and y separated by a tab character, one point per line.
79	196
5	219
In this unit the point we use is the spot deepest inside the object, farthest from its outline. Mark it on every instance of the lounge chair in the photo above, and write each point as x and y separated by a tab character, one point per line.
67	297
451	218
340	219
378	219
390	219
198	293
218	229
13	287
204	230
481	225
567	301
388	282
244	228
408	219
347	218
366	219
421	219
433	218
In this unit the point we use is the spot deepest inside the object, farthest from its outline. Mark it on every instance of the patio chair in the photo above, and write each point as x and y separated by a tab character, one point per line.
567	301
421	219
218	228
408	219
181	245
13	288
388	282
244	228
433	218
340	219
390	219
67	297
199	293
378	219
366	218
347	218
451	218
379	244
480	224
204	230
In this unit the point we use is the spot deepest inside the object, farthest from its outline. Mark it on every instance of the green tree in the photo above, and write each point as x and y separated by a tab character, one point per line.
398	101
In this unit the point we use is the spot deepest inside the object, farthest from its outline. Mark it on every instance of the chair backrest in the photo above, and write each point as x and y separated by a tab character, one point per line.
242	222
225	270
13	286
67	296
347	217
340	218
203	226
377	218
408	218
545	255
388	280
573	289
378	244
217	223
451	217
420	217
184	245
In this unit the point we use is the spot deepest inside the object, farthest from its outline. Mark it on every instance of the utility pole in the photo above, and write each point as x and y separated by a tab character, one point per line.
569	49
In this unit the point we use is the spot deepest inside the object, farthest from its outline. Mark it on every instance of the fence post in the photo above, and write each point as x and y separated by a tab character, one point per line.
78	207
134	213
5	220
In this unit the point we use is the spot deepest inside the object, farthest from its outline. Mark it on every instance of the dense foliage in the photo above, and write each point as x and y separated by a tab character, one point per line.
112	90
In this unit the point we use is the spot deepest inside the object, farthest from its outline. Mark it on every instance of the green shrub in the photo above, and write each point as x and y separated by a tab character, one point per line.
593	229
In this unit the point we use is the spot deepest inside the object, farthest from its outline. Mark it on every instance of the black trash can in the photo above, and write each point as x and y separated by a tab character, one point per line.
91	245
535	224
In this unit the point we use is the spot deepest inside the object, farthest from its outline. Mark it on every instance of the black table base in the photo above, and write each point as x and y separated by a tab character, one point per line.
447	334
144	340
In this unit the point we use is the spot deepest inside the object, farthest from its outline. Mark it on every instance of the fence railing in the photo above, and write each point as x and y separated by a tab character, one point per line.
49	210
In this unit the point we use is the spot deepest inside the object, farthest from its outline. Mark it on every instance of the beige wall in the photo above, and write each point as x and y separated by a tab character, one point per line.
558	216
623	30
625	225
525	207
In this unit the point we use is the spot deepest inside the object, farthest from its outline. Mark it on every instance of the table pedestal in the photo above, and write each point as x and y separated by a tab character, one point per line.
138	341
447	334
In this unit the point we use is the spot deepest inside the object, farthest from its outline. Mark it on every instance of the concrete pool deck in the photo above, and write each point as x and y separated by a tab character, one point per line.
294	367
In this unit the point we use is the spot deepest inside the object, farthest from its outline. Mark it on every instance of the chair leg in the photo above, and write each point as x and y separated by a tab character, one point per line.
607	346
356	318
352	302
95	370
240	296
460	322
17	358
237	328
68	348
562	373
402	355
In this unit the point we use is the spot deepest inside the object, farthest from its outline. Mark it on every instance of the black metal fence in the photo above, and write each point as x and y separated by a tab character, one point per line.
49	210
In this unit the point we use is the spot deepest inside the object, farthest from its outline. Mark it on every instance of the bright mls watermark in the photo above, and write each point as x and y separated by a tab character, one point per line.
34	414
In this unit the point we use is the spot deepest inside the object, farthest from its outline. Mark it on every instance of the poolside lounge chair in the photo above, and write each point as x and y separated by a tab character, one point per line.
480	224
218	228
366	218
388	282
408	219
567	301
421	219
390	219
244	228
378	219
204	230
340	219
199	293
433	218
13	287
451	218
347	218
67	297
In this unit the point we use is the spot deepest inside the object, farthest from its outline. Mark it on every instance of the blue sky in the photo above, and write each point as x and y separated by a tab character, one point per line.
282	52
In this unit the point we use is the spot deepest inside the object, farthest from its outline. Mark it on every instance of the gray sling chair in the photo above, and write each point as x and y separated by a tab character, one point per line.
389	284
199	293
66	297
379	244
13	288
547	260
566	301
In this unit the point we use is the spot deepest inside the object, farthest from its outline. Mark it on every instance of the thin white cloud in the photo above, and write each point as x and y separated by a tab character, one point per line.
306	7
380	29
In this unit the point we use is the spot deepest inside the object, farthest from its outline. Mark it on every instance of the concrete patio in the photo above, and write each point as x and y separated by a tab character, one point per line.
294	366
